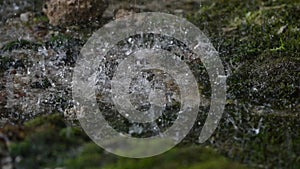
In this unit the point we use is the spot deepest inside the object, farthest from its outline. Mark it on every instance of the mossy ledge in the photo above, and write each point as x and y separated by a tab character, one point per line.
49	143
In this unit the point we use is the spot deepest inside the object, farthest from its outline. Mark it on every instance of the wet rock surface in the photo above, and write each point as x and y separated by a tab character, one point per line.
37	78
258	42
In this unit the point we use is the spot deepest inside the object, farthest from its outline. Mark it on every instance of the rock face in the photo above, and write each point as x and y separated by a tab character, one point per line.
120	13
67	12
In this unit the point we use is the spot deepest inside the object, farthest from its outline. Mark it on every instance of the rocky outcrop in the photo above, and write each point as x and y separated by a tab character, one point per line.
67	12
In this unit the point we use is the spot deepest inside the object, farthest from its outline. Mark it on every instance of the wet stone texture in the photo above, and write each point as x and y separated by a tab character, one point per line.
37	78
258	42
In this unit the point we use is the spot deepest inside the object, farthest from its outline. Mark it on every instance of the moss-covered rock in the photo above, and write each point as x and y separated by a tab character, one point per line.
191	157
48	142
258	41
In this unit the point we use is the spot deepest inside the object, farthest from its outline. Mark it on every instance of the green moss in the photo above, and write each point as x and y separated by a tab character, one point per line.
184	157
268	140
255	38
55	119
90	156
50	143
259	42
